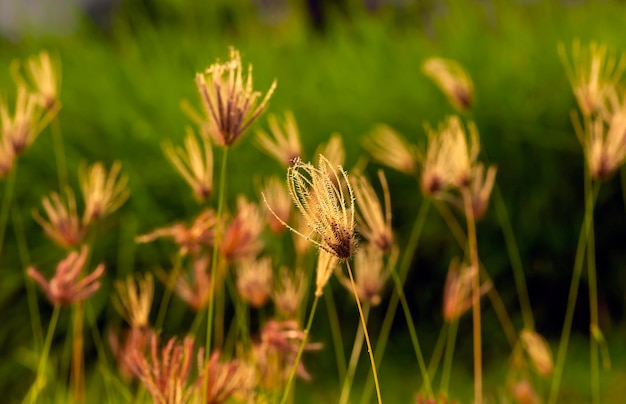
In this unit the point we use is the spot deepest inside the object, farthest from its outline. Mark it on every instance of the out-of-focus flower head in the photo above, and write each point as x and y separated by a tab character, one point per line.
279	199
103	193
370	274
389	148
65	288
63	226
457	293
373	222
241	239
254	281
453	80
134	299
285	145
288	292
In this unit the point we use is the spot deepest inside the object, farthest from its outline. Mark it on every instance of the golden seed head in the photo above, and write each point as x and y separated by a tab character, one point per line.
194	240
538	351
389	148
288	292
20	129
241	239
134	299
194	164
480	188
229	100
449	158
594	71
63	225
254	281
373	222
103	193
453	81
326	264
65	288
457	293
604	144
45	80
285	144
333	151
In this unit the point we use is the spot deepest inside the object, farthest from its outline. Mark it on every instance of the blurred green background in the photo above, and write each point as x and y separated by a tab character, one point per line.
341	67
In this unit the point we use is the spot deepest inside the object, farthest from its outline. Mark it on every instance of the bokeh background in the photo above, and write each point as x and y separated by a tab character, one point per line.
341	66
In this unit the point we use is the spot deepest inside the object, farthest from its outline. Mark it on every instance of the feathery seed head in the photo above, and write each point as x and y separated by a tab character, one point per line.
103	193
285	145
370	274
480	188
254	281
389	148
63	225
229	100
449	158
45	80
453	81
372	222
457	293
333	151
241	240
193	289
194	164
604	146
20	129
288	292
326	264
278	198
134	299
64	288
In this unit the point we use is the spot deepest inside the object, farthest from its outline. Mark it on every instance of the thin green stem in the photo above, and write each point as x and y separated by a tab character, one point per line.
433	364
403	270
197	320
218	229
476	322
354	359
593	302
31	293
449	355
167	294
77	373
370	351
292	374
240	314
40	381
335	330
7	199
514	258
573	293
413	334
59	152
95	332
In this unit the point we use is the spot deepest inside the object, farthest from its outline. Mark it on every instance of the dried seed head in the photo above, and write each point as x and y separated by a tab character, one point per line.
195	289
63	225
457	293
333	151
229	100
372	222
194	164
285	145
389	148
45	80
593	73
320	196
523	393
480	188
288	292
449	158
254	281
604	146
224	379
21	129
190	240
453	80
125	345
134	299
277	196
165	376
326	264
241	240
370	274
64	288
103	193
538	351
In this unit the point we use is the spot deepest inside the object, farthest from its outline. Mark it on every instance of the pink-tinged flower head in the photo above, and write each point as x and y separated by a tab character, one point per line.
65	287
241	240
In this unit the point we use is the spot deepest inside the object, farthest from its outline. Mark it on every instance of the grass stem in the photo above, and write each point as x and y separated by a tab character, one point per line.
354	359
335	330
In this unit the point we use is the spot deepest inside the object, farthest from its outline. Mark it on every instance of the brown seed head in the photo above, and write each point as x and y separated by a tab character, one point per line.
449	158
285	145
64	288
389	148
194	164
229	100
594	71
134	299
103	193
254	281
372	222
63	225
453	81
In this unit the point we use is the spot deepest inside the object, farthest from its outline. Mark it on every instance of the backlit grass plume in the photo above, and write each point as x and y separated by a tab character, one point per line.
318	192
453	80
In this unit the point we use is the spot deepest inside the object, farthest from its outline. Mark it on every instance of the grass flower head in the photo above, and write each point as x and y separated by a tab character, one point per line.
63	225
285	145
389	148
453	80
134	299
103	193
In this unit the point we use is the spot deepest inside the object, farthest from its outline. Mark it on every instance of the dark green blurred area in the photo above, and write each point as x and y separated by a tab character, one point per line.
121	93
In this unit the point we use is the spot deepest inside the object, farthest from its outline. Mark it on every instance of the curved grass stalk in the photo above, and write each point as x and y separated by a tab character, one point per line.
292	374
514	258
403	271
354	359
335	330
573	293
370	351
447	360
413	333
